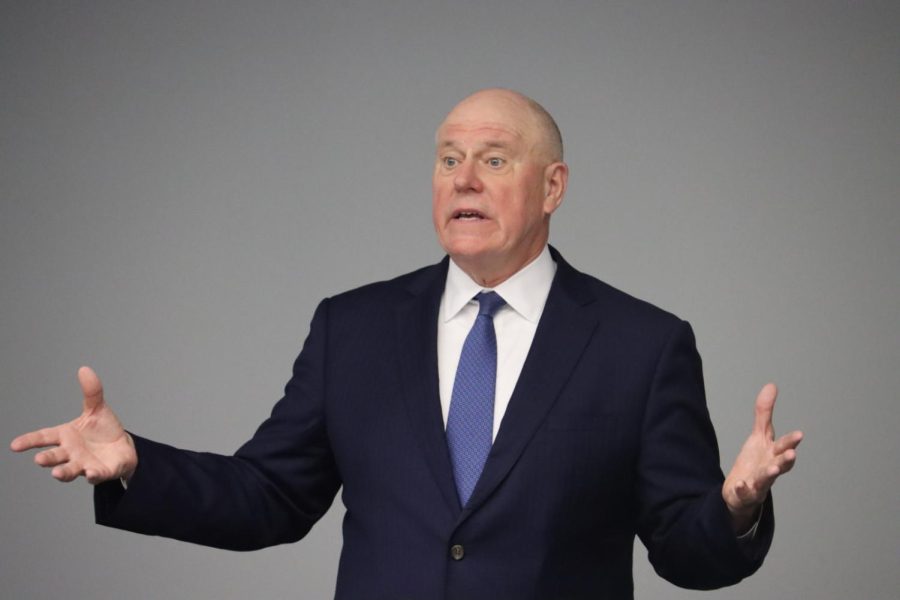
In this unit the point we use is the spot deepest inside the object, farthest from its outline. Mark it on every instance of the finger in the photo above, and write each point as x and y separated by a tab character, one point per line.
765	406
788	442
95	471
66	472
96	474
49	436
780	465
740	488
91	388
745	494
785	461
52	457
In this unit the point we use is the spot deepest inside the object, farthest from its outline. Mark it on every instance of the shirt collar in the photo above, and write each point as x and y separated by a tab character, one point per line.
525	292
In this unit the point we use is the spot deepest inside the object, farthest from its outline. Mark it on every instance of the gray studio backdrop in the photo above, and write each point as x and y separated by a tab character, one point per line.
181	183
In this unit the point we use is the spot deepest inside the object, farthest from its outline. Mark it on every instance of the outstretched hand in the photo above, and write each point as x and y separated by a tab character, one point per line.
94	445
761	460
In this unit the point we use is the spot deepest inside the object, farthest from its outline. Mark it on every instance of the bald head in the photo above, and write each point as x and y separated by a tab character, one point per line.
535	122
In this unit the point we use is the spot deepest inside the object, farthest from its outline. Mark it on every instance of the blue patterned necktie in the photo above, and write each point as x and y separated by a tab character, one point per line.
470	424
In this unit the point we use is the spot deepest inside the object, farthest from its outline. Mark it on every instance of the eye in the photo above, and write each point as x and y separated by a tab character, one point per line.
495	162
449	162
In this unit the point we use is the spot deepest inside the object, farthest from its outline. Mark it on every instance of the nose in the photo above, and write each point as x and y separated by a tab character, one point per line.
466	177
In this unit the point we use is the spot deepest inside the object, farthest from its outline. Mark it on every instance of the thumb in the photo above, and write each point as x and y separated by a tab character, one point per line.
91	388
765	406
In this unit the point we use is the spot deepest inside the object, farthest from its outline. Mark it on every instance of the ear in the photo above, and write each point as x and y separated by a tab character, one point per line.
556	179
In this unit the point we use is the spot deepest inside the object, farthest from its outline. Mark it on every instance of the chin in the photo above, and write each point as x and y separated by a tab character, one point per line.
467	249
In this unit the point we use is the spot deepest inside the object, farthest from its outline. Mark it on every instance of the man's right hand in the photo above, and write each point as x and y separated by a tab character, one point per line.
94	445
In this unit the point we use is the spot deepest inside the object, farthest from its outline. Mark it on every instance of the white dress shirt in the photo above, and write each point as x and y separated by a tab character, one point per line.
514	323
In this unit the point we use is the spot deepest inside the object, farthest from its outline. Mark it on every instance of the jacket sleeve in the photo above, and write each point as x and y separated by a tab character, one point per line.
682	518
271	491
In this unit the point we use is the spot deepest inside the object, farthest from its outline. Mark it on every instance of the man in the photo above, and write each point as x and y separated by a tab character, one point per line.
595	426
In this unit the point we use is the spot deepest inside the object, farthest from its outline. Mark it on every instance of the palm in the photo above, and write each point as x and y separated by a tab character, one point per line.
94	445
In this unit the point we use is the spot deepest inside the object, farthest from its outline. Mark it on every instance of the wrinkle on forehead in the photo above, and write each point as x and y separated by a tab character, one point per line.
490	135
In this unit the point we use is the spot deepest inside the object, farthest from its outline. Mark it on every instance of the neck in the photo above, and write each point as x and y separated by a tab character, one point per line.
490	276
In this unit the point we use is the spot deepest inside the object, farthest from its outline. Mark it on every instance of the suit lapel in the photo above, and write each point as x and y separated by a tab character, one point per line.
417	319
565	327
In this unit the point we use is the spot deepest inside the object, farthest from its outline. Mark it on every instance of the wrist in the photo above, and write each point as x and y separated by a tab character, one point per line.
130	465
742	522
743	515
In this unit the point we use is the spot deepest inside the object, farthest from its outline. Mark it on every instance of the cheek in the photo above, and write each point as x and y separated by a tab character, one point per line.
437	195
441	188
440	203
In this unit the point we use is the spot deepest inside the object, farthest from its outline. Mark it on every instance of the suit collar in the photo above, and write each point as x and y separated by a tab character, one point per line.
416	319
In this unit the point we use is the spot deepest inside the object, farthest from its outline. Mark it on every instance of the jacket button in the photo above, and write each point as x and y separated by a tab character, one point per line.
457	552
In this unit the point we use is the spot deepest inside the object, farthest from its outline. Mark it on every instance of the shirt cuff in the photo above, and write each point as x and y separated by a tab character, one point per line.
747	536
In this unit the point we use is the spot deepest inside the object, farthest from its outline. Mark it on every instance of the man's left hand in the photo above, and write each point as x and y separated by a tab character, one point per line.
761	460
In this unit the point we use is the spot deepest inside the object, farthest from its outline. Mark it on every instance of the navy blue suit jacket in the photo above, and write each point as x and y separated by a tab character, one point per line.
607	435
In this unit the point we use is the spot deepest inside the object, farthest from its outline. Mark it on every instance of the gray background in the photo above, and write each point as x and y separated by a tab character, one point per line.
182	182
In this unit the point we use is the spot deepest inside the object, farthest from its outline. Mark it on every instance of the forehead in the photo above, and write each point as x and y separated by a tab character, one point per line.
486	120
487	135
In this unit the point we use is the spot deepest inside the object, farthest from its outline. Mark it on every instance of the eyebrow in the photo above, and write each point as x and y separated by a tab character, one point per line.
489	144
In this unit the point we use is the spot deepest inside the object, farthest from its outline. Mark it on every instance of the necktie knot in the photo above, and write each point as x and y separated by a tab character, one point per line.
489	303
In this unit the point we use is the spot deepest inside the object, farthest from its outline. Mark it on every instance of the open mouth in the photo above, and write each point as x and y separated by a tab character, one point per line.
468	215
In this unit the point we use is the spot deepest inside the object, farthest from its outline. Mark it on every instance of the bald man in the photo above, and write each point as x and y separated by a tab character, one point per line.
502	425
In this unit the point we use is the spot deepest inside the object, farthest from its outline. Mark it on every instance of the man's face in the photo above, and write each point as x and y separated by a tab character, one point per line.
490	202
